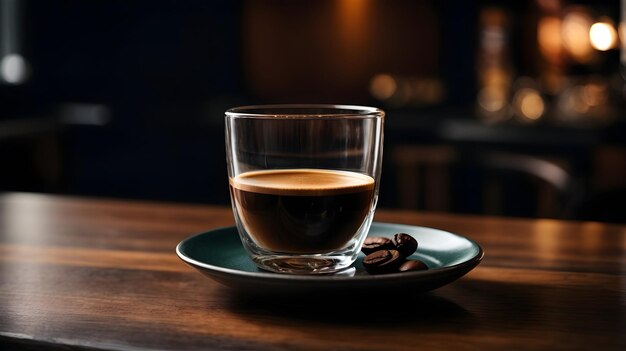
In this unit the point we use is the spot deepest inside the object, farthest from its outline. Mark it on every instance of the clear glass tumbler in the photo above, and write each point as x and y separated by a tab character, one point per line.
304	183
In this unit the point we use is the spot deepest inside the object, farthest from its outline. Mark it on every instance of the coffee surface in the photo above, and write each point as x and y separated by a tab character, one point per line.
302	210
302	182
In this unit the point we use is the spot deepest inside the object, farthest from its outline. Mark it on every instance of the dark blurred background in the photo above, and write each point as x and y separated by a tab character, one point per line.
493	107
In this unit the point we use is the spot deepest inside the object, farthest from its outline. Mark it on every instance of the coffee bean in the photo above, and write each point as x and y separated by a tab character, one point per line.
383	261
405	244
374	244
378	257
413	265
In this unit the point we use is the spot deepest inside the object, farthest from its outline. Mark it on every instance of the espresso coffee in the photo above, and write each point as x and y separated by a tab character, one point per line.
302	210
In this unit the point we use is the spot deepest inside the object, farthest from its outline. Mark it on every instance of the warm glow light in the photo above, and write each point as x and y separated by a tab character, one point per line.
595	94
574	31
549	37
602	36
529	104
493	106
353	19
573	101
383	86
492	99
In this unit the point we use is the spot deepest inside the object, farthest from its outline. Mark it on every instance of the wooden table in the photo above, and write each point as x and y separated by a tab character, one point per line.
102	274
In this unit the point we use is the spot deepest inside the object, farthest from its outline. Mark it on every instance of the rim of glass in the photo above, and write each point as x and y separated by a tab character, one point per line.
305	111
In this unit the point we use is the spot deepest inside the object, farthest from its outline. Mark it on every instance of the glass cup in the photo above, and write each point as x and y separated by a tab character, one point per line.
304	183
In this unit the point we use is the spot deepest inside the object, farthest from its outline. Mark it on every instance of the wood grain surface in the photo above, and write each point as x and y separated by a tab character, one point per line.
102	274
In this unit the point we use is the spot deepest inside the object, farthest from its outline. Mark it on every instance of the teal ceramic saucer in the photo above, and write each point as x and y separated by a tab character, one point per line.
220	255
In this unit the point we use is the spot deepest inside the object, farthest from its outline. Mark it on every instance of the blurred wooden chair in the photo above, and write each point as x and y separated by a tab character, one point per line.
427	177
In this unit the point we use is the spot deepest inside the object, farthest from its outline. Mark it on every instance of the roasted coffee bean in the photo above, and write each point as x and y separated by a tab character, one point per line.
377	257
374	244
405	244
413	265
383	261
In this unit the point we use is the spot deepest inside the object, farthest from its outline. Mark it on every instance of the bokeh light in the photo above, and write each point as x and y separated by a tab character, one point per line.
528	104
549	37
575	30
13	69
491	99
603	36
383	86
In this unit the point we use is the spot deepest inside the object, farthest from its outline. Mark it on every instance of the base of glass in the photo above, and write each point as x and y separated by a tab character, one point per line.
338	261
303	264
